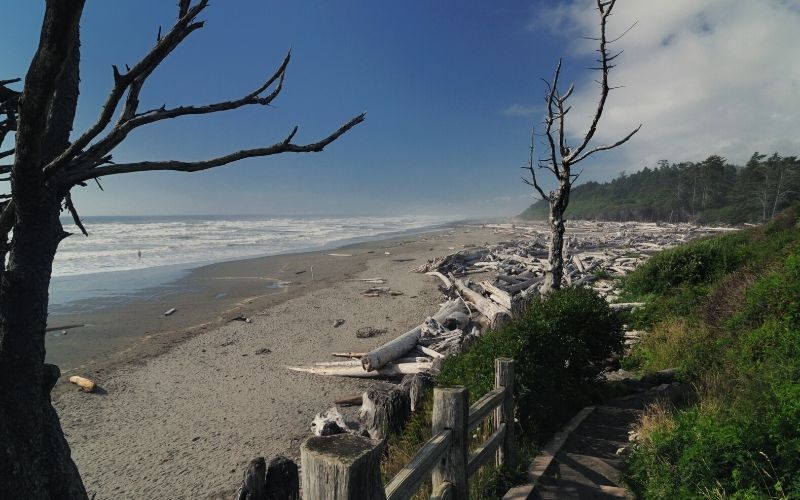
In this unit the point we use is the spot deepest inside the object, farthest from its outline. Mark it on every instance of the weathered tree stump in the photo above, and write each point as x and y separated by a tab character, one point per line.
254	482
341	467
278	481
283	479
416	386
384	409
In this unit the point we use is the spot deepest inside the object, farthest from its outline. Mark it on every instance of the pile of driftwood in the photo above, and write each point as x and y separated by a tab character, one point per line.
596	253
485	287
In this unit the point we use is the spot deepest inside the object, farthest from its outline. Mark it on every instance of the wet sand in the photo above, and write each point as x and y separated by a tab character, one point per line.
184	407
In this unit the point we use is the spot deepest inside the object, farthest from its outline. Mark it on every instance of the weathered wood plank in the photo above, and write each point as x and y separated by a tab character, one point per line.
483	407
410	477
451	411
481	455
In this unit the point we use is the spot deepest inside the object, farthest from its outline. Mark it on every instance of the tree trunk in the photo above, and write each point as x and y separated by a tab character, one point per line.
35	459
555	254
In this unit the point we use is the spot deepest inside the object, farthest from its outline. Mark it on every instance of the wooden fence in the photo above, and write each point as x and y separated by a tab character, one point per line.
344	468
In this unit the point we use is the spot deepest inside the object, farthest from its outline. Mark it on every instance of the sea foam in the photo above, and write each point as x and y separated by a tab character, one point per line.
128	243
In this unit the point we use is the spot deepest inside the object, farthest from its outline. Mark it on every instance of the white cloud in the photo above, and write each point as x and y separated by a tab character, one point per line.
521	110
705	77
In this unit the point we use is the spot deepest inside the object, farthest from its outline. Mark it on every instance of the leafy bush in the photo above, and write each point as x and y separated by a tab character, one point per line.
699	262
558	346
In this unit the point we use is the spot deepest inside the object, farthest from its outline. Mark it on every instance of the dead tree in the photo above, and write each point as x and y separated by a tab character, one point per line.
44	166
561	156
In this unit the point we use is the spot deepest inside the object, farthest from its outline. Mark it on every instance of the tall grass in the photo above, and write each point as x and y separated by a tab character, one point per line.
736	338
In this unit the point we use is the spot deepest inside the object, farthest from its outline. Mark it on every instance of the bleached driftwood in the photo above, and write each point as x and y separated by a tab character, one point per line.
623	306
494	312
356	371
447	283
84	383
500	296
405	343
329	423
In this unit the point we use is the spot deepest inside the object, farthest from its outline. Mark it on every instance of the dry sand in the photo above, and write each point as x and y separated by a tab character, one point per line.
181	413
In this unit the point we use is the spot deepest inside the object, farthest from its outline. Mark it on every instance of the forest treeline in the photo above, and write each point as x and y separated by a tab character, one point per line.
711	191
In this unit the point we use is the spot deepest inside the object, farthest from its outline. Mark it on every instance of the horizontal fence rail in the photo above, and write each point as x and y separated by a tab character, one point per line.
445	456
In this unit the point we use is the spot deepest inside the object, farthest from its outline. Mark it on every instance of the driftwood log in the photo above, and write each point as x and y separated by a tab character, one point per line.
391	370
384	410
496	314
405	343
84	383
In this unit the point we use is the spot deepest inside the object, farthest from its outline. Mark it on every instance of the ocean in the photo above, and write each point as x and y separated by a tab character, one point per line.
125	254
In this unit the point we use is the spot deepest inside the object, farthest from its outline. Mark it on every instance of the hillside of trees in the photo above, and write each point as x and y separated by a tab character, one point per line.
712	191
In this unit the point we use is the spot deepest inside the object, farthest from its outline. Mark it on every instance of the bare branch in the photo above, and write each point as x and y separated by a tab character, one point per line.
533	182
75	217
182	28
4	154
285	146
552	91
605	10
607	147
183	7
130	120
625	32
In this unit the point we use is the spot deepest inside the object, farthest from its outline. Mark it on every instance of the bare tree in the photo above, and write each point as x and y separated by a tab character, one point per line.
35	459
561	156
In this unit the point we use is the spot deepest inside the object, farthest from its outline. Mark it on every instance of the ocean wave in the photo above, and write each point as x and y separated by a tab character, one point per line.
128	243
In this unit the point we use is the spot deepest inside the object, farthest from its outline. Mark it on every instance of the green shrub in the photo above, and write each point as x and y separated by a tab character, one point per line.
559	346
695	263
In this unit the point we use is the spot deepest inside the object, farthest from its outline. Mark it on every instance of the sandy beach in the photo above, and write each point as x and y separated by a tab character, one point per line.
188	399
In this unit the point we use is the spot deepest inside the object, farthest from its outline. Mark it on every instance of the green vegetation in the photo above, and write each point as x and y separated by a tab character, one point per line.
559	345
726	313
708	191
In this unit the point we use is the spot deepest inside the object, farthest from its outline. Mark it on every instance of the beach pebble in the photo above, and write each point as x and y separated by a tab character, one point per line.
338	323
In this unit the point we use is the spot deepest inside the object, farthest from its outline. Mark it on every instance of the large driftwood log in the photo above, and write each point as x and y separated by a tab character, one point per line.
500	296
494	312
391	370
384	409
341	467
403	344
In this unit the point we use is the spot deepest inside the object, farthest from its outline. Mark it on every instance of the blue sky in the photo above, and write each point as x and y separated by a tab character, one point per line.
451	90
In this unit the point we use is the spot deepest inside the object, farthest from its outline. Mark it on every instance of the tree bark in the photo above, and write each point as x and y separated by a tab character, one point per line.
35	460
555	251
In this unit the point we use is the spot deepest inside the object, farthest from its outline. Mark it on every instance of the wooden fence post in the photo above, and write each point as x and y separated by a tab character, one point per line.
504	377
341	467
451	411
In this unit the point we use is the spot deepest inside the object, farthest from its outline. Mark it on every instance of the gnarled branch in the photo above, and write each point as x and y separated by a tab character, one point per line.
285	146
122	82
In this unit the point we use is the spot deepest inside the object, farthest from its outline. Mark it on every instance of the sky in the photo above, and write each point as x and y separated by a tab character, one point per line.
451	90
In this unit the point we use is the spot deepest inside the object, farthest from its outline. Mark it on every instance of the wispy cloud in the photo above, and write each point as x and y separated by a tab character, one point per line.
521	110
719	76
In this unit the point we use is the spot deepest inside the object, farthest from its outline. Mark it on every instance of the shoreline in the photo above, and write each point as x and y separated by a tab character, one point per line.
99	331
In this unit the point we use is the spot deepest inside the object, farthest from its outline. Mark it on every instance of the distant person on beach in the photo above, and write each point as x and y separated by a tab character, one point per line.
139	253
